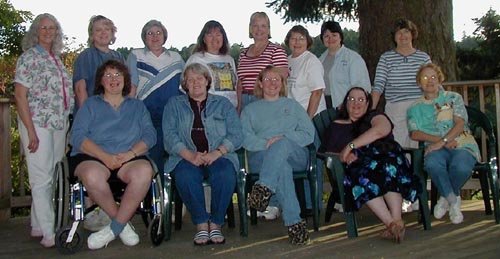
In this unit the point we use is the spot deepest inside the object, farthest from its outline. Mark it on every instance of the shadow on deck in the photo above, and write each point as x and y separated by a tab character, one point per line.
477	236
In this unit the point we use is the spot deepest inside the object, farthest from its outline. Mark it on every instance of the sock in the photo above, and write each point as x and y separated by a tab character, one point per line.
451	198
117	227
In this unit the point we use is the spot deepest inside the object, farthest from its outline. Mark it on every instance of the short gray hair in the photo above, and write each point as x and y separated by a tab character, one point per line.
150	25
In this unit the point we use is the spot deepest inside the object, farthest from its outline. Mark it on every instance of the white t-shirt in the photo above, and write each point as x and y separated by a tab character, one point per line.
223	70
306	75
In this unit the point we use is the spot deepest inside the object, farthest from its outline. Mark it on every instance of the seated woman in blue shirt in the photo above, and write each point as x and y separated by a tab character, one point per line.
111	136
277	130
201	132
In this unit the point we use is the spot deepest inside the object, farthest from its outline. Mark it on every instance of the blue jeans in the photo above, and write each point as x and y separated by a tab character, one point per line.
449	169
275	166
189	183
157	152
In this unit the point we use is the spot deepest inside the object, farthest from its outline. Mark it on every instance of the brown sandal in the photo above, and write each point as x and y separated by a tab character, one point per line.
398	229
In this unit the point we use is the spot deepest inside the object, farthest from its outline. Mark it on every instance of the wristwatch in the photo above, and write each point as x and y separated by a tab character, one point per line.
351	145
445	140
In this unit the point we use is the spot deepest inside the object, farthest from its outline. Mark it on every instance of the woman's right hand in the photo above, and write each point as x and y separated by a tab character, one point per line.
33	141
433	147
197	158
272	140
112	161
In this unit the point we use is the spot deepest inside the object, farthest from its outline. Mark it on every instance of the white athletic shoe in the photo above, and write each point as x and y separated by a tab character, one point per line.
96	220
441	208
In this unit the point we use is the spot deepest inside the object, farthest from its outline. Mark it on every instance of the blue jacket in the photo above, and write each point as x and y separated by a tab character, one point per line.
221	122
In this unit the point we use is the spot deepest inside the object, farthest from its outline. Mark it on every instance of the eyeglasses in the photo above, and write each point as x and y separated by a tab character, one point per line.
425	79
153	33
359	100
297	39
271	79
48	28
112	75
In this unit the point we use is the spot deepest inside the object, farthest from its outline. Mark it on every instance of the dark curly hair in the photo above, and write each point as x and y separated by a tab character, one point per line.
122	68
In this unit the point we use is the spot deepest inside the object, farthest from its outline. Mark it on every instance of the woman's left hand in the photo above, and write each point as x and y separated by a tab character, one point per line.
347	156
433	147
125	157
210	157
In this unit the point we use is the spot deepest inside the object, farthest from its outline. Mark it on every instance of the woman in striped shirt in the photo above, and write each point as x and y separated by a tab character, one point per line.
256	57
396	77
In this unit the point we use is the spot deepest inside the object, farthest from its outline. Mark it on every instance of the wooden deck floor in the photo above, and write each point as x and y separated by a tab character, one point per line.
478	236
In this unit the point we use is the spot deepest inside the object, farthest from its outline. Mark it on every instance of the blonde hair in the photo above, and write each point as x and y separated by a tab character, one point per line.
432	66
257	90
108	22
252	19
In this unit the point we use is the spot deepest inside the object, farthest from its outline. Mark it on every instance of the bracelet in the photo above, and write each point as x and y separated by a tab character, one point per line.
135	154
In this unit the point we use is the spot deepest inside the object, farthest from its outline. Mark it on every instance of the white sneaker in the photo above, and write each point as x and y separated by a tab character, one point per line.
100	238
271	213
406	207
415	205
128	235
338	207
96	220
441	208
456	215
48	242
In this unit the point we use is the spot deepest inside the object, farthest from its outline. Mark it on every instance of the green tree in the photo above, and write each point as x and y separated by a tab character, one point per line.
376	18
478	56
11	28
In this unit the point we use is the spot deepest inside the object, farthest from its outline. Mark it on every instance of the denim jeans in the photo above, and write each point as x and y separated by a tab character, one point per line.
189	183
449	169
275	166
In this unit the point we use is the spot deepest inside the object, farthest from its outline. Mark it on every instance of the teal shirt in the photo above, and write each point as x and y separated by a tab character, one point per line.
435	117
262	120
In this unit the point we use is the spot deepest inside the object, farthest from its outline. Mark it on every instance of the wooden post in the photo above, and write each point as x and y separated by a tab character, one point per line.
5	160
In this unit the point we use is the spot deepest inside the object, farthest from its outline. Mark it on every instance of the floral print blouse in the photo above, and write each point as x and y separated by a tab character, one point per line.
50	91
435	117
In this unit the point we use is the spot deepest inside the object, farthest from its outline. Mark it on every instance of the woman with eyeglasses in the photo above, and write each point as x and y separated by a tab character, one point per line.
111	136
377	172
44	99
202	131
276	131
155	73
439	119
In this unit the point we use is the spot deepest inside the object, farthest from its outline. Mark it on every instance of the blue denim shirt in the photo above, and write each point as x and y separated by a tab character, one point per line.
115	131
221	122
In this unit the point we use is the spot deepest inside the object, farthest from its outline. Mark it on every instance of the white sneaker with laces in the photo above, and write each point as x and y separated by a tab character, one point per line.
456	215
100	238
96	220
128	235
441	208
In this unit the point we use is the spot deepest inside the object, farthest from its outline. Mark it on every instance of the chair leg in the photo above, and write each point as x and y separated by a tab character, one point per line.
425	214
242	207
495	191
352	228
299	189
329	208
483	180
178	211
230	215
167	219
434	196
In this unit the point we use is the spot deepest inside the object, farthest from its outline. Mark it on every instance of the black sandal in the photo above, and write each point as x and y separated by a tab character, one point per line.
201	235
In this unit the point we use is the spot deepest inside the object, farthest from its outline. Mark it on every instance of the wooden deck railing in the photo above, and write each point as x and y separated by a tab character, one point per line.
484	93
